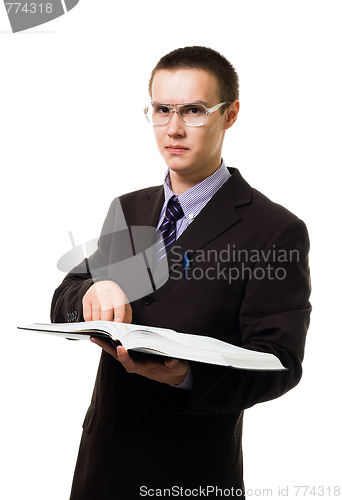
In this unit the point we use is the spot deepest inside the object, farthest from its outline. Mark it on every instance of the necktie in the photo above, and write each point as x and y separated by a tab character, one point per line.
173	213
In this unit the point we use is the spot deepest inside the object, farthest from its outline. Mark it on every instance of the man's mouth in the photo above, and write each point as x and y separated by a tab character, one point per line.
176	149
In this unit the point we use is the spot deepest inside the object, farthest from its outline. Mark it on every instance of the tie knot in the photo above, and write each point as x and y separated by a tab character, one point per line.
174	210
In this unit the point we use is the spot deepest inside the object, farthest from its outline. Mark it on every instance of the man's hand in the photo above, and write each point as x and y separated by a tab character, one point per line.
171	372
105	300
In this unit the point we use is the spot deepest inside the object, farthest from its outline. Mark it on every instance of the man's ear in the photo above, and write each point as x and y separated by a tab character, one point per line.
232	113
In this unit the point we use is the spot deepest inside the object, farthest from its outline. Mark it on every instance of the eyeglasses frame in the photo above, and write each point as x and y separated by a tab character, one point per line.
175	109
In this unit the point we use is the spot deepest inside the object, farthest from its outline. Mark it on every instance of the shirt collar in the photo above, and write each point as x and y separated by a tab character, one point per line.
194	199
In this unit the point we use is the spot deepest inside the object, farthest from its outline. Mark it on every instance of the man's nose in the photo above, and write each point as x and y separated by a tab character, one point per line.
175	125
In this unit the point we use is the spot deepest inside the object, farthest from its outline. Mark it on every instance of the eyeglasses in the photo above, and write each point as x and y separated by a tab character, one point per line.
192	114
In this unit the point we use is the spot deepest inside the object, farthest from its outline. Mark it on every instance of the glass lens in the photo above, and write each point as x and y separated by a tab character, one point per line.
158	114
193	114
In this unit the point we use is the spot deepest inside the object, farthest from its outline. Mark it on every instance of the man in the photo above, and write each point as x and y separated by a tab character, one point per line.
238	271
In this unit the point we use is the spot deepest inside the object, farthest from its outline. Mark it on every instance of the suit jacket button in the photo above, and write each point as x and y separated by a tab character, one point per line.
148	300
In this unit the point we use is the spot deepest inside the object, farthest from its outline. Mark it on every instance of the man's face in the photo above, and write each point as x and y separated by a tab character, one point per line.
192	153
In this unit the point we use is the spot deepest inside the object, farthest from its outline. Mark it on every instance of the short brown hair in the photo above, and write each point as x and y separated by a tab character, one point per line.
207	59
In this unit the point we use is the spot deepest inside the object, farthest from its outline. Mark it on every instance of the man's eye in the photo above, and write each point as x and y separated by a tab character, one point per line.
163	110
192	110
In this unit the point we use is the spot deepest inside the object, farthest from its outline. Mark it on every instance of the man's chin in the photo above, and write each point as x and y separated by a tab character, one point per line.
179	169
178	165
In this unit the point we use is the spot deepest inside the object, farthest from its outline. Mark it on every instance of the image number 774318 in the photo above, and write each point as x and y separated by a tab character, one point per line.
26	15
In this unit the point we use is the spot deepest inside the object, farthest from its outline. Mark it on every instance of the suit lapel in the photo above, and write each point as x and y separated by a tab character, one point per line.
146	210
142	217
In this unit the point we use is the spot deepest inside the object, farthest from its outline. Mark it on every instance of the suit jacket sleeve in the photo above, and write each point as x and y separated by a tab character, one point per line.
274	317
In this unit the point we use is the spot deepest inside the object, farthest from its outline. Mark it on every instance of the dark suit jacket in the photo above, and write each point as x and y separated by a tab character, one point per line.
139	432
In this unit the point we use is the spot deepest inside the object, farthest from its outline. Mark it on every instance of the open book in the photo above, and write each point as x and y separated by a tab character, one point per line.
164	342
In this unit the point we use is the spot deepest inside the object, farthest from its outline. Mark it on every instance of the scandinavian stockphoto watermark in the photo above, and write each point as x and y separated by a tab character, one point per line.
232	263
26	15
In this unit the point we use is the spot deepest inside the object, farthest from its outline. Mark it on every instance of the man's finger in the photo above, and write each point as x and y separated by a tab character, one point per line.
119	313
175	365
106	346
171	363
87	313
125	359
95	313
86	309
107	314
95	308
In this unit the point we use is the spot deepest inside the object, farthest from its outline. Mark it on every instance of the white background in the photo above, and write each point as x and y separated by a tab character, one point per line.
73	137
